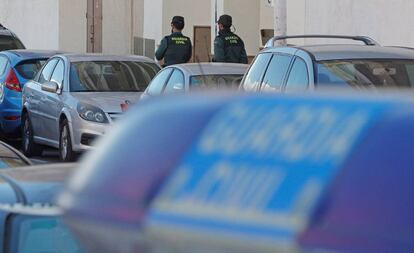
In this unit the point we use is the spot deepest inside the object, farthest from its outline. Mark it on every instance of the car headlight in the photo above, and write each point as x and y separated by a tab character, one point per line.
92	113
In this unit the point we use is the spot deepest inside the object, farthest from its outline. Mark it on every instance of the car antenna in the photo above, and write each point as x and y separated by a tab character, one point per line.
201	71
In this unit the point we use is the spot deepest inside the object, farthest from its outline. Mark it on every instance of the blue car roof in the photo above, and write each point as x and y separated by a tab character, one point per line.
19	55
255	173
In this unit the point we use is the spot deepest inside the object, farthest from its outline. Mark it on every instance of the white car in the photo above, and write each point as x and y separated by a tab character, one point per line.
74	98
196	76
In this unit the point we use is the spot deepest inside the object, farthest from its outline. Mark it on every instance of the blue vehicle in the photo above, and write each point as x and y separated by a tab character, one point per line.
16	68
252	174
29	219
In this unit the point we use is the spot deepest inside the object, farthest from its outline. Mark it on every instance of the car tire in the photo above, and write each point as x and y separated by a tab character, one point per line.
66	152
29	147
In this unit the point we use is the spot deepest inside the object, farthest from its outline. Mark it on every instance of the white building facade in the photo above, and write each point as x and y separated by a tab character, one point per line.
137	26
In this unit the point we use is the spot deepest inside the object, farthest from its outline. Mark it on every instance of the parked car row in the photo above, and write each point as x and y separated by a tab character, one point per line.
218	173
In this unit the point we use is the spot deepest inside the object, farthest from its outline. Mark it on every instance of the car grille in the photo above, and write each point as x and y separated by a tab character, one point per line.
114	116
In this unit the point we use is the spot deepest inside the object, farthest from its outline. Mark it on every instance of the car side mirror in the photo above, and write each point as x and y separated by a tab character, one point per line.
50	87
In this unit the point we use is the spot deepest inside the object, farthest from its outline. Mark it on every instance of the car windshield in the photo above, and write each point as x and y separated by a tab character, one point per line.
215	81
364	74
28	69
9	43
111	76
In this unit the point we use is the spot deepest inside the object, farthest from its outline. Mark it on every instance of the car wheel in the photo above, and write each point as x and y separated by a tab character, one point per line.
65	144
29	147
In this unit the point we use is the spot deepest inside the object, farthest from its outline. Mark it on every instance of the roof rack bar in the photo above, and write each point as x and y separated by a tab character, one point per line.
367	40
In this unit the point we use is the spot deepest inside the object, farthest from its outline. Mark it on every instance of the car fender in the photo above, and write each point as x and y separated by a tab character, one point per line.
67	114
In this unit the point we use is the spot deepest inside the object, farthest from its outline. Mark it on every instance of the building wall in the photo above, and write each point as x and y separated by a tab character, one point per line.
35	22
72	25
387	21
195	12
117	29
153	19
247	23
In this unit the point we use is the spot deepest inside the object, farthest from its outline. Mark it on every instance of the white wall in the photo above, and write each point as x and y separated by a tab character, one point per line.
246	19
117	33
195	12
387	21
72	25
35	22
153	17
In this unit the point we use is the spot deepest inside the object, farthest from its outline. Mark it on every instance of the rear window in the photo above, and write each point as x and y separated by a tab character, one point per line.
215	82
9	43
111	76
28	69
365	74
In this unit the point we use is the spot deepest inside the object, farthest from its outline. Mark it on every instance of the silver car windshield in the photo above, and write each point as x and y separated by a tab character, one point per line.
215	81
111	76
364	74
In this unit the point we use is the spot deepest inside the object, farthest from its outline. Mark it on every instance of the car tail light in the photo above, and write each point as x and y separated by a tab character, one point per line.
11	82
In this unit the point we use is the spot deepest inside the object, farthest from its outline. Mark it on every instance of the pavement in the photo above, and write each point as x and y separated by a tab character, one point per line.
48	155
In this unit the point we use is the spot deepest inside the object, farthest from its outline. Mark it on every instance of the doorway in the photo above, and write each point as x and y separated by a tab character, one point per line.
202	44
94	23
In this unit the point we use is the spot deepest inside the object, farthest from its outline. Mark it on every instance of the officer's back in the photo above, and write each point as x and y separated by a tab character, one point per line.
228	47
175	48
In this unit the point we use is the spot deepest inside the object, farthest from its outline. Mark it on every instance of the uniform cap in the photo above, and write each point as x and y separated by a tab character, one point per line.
178	20
225	20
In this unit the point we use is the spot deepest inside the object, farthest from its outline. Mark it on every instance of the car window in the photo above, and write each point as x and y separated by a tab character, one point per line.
276	72
157	85
28	69
298	77
58	73
111	76
366	73
176	82
9	43
255	75
40	234
215	81
47	71
3	64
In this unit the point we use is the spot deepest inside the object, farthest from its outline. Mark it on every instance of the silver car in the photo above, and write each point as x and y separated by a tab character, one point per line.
74	98
196	76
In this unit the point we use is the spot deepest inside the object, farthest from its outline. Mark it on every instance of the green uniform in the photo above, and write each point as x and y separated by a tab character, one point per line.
228	47
174	49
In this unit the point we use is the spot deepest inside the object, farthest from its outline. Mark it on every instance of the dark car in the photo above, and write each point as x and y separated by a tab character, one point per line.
301	68
252	174
9	40
29	219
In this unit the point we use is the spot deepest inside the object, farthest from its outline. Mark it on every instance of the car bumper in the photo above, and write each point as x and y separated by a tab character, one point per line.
85	133
10	114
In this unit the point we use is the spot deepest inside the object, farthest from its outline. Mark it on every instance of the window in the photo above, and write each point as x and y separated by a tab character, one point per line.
111	76
40	234
3	64
58	73
28	69
9	43
298	77
276	72
255	74
157	85
176	83
215	82
366	73
47	71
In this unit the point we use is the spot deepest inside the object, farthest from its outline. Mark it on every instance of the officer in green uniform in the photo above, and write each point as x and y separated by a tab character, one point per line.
228	47
175	48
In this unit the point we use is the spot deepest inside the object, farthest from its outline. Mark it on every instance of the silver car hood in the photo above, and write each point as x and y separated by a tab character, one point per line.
109	102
